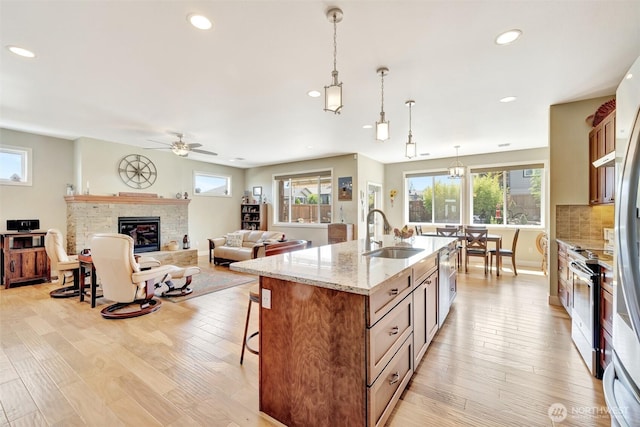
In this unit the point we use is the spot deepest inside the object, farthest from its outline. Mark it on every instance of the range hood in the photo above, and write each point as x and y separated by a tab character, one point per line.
606	160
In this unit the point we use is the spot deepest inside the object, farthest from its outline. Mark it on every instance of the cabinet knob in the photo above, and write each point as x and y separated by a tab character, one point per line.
393	291
394	330
394	378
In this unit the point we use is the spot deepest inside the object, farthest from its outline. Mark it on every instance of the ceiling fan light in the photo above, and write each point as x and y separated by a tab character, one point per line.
180	150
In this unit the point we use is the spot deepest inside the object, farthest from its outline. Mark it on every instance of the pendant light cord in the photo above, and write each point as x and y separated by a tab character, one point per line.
335	43
382	91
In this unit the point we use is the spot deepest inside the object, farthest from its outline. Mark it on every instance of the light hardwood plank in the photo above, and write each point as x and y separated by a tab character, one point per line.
502	358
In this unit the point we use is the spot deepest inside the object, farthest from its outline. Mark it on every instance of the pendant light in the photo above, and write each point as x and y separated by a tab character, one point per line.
410	146
333	92
382	127
456	170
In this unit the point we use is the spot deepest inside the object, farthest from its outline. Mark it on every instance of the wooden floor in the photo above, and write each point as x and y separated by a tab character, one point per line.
503	358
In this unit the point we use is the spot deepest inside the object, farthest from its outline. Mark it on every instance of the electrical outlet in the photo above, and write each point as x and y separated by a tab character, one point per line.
266	298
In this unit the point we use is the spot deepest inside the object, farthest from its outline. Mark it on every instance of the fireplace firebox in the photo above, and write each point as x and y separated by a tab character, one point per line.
145	231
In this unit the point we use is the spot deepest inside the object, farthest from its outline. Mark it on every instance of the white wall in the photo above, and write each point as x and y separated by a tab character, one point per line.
52	171
568	167
527	253
342	166
369	171
97	162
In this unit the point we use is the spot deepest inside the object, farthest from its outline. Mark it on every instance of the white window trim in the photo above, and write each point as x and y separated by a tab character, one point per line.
214	175
543	196
274	197
27	155
467	192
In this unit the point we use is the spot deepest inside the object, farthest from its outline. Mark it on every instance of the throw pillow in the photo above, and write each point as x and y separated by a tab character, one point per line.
234	240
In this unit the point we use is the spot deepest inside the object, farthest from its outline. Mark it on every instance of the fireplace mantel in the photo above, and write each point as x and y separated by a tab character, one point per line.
89	214
133	200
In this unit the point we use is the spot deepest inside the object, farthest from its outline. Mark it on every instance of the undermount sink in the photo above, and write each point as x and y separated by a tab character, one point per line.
394	252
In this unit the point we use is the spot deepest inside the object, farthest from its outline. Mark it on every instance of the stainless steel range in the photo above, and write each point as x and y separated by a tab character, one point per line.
585	319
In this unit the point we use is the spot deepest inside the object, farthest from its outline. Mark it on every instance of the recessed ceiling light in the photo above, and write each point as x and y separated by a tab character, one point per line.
313	93
21	51
628	76
425	154
367	126
508	99
236	159
506	144
309	147
199	21
508	37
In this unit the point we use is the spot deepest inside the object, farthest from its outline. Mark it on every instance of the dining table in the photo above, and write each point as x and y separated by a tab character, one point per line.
496	239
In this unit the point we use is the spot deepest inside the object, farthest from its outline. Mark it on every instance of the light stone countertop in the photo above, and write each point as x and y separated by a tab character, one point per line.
341	266
583	243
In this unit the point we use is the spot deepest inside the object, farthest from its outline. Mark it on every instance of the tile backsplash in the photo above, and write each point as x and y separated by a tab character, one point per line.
583	222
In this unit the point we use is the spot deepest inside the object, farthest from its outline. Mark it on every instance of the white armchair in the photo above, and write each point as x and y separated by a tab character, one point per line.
122	278
66	266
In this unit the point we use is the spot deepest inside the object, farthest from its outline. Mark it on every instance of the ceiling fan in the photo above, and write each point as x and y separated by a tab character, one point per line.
181	148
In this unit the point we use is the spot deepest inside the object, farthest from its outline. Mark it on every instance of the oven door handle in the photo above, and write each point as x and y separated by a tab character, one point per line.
577	269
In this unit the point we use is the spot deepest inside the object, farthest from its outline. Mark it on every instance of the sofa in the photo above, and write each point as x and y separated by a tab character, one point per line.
242	245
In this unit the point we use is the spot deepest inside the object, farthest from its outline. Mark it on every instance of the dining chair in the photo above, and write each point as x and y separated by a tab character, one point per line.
450	231
419	230
506	253
476	245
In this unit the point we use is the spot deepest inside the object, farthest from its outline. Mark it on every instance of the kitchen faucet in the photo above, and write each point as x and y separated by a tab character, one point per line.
387	228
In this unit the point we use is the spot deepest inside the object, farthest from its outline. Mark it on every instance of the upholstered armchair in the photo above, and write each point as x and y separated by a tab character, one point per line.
122	277
66	266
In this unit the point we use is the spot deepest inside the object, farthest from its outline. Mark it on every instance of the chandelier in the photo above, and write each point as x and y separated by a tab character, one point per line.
456	170
382	127
333	92
410	146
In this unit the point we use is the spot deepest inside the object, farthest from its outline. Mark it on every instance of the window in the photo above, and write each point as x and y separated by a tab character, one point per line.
206	184
507	195
304	198
15	165
433	198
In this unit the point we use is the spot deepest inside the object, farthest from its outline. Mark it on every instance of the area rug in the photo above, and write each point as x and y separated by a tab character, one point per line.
210	281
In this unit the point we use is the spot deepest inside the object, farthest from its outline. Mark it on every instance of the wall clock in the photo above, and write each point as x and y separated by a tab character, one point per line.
137	171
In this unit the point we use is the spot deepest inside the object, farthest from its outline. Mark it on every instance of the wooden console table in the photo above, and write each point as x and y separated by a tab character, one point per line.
24	258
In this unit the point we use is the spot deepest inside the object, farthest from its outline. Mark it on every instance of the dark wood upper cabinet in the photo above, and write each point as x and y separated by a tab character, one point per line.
602	140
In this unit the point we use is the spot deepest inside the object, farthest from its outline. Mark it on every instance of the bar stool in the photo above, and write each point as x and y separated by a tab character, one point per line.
254	296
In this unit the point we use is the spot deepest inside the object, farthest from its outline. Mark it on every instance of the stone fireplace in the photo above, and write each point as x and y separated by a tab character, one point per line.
88	214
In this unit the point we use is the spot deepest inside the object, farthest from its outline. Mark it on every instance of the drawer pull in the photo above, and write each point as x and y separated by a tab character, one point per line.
394	331
394	291
12	266
394	378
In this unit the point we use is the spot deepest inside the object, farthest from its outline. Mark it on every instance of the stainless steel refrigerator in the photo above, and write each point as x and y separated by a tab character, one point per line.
621	379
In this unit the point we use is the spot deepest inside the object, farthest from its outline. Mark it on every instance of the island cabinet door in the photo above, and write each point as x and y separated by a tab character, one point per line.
312	355
425	300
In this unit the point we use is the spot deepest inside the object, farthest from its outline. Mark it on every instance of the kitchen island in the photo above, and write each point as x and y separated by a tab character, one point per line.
341	332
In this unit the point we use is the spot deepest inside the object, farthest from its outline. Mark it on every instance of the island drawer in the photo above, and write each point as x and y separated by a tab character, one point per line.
387	336
385	392
424	268
388	295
